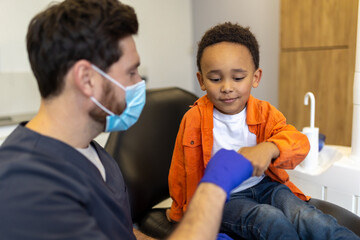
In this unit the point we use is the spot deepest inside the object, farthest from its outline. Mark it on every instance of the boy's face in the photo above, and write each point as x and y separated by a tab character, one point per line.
227	75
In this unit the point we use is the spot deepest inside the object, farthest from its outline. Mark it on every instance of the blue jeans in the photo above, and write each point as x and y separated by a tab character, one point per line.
269	210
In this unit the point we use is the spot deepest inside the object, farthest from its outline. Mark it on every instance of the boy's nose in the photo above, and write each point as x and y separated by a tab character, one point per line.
226	87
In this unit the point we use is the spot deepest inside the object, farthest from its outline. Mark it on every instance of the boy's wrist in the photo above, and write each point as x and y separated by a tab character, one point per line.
274	150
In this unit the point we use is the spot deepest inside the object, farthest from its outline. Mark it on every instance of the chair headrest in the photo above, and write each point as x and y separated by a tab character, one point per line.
144	152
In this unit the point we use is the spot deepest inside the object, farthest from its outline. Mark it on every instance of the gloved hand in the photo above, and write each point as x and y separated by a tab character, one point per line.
223	236
227	169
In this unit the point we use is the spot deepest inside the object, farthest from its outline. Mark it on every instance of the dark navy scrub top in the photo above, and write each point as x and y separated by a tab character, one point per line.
49	190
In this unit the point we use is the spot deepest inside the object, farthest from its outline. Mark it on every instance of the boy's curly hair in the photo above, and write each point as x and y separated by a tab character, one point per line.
229	32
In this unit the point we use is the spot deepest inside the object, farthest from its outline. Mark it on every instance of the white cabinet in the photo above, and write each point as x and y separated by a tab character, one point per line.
336	178
309	188
342	198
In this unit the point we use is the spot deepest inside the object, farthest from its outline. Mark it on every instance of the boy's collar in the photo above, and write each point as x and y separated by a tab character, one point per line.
253	112
204	100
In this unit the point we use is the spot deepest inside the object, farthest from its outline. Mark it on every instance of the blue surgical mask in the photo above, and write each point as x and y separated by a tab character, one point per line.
135	100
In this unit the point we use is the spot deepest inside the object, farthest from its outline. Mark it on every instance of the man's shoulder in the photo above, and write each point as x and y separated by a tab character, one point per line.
22	164
26	145
28	156
18	147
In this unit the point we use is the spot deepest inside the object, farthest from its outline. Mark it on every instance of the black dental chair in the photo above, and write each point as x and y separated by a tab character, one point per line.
144	155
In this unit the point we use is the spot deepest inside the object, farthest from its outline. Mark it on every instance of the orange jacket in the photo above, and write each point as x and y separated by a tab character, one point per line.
194	142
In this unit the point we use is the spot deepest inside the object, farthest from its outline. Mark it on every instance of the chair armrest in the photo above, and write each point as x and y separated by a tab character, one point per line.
342	215
155	224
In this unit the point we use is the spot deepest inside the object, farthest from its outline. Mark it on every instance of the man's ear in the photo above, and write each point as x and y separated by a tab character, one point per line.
201	81
83	75
256	78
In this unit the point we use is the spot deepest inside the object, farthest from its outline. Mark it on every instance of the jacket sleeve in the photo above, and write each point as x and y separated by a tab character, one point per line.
292	144
177	179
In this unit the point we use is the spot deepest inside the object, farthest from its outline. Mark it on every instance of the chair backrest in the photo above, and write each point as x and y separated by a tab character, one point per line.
144	152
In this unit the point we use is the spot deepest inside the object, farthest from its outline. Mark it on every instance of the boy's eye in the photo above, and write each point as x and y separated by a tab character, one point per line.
214	79
238	78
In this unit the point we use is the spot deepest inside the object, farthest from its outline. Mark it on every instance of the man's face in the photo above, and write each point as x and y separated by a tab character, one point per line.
227	75
124	71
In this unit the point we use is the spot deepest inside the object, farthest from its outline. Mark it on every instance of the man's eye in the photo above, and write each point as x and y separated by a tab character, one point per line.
134	74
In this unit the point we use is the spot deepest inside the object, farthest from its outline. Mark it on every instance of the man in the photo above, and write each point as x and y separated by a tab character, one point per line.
55	182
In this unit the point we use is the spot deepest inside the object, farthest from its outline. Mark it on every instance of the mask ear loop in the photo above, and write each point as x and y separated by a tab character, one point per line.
102	107
102	73
105	75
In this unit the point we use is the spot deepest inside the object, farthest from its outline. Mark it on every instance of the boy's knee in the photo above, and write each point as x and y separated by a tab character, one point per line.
262	221
312	214
264	214
266	211
271	223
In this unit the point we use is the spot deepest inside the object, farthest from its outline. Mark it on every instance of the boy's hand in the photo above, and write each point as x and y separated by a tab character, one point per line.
260	156
168	215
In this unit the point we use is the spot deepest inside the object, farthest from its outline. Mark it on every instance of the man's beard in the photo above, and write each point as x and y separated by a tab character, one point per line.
97	114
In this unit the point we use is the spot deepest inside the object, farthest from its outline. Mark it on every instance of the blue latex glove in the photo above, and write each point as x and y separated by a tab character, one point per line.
227	169
223	236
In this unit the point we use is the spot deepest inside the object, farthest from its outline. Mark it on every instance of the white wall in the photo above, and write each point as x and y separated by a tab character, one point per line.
168	34
263	18
164	41
18	89
15	16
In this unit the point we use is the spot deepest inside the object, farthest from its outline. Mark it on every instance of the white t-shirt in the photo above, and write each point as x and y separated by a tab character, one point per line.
91	154
231	132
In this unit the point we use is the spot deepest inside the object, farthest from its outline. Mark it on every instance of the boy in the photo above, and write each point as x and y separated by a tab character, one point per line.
267	205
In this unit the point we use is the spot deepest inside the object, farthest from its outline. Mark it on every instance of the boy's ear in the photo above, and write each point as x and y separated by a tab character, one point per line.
83	75
256	78
201	81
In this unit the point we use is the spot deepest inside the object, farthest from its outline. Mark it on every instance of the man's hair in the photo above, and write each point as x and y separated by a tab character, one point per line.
229	32
73	30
